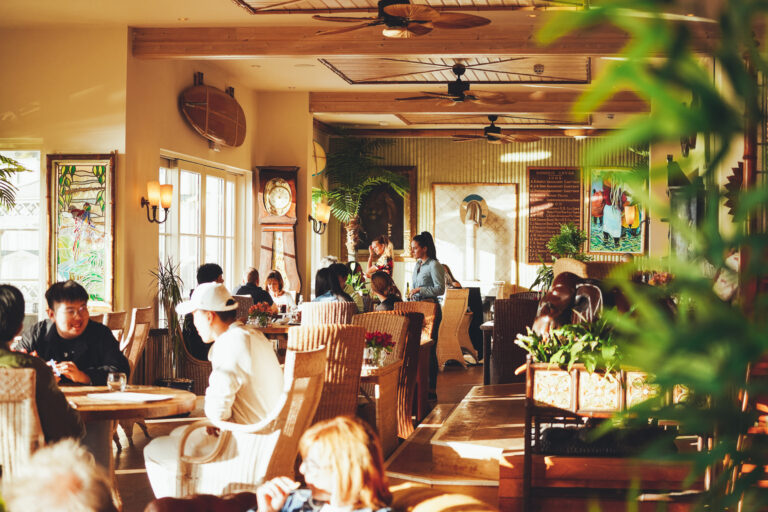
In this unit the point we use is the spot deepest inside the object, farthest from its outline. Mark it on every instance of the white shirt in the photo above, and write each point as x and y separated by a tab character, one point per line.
246	381
286	298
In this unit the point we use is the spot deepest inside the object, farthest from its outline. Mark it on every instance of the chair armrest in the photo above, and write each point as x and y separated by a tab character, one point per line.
203	459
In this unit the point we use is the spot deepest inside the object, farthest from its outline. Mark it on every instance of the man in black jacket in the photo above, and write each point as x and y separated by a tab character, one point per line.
252	288
76	349
206	273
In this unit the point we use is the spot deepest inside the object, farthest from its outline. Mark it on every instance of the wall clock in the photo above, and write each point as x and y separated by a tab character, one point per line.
275	189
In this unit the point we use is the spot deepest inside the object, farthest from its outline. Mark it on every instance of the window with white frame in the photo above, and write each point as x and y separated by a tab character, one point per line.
22	249
206	223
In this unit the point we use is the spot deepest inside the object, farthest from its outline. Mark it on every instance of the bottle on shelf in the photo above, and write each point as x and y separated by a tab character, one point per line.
407	291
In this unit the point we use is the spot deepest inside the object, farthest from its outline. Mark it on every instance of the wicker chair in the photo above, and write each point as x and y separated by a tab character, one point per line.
246	455
454	309
324	313
98	318
569	265
344	344
394	325
428	309
192	368
511	318
244	303
133	348
115	321
406	384
20	430
600	269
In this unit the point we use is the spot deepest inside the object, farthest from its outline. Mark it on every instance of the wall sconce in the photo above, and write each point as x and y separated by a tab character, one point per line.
323	212
157	195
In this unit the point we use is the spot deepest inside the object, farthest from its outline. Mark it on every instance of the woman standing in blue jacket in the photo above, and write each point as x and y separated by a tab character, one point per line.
427	284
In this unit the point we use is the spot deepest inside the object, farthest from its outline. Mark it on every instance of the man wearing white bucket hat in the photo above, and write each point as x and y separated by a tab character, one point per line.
246	380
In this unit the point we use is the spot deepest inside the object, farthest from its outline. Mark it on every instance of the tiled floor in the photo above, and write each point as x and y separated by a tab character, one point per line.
132	481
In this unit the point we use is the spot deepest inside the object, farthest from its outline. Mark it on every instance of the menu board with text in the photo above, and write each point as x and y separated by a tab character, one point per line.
554	198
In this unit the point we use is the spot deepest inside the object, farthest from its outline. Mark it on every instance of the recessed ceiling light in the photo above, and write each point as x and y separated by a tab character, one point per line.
182	19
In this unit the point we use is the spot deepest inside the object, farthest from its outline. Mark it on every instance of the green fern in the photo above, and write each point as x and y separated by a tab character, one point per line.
8	167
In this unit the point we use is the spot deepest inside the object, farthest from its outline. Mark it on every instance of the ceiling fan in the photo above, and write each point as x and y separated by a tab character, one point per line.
458	91
493	135
402	19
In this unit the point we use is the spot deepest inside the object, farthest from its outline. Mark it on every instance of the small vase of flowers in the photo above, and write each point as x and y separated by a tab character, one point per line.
261	312
377	345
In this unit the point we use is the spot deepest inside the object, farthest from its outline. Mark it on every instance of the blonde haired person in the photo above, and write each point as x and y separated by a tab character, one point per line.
61	476
383	250
342	466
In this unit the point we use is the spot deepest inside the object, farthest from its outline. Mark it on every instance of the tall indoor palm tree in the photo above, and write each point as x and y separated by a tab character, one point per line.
8	166
353	170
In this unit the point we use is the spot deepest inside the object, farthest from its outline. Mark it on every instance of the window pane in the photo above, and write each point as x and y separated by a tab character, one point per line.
214	206
231	200
229	273
20	232
189	249
189	202
214	253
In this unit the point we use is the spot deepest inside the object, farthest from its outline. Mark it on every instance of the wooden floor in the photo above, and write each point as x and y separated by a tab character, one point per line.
132	480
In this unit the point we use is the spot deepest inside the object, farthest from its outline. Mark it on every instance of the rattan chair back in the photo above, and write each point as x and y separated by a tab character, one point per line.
20	430
344	345
324	313
428	309
448	345
394	325
511	317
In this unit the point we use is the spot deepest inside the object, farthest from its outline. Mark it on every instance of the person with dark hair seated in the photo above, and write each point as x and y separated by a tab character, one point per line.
328	287
57	419
246	381
342	272
252	288
206	273
78	350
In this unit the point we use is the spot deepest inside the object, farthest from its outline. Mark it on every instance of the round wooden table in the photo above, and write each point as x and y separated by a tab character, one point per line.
101	415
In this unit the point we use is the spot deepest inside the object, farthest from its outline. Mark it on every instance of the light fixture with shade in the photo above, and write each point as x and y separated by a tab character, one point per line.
322	216
157	195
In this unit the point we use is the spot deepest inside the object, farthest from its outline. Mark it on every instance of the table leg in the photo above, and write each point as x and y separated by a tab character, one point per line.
421	402
487	357
98	441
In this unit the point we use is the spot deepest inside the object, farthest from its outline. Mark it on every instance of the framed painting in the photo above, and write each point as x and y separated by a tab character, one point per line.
383	212
617	223
81	209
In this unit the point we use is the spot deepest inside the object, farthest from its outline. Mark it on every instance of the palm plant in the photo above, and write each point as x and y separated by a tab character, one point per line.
8	166
353	170
169	286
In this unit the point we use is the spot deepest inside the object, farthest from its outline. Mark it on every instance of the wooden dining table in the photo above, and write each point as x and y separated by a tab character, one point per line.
101	413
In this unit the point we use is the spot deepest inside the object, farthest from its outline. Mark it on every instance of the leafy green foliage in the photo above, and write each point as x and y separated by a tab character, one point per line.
589	343
8	166
358	283
568	243
709	345
353	170
168	284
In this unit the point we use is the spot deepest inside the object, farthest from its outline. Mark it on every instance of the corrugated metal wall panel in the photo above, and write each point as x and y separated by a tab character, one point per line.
444	161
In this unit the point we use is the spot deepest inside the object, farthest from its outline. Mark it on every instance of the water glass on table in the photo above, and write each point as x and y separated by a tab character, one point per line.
117	381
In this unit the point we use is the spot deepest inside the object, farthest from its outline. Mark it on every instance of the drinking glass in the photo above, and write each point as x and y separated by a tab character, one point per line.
117	381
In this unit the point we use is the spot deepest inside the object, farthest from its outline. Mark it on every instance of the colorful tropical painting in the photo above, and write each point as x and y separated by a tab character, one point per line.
616	220
83	225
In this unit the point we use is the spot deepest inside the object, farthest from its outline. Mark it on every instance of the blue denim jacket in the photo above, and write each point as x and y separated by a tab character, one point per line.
299	501
429	277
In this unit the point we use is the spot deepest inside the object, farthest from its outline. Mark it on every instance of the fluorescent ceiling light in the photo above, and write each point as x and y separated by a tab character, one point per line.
525	156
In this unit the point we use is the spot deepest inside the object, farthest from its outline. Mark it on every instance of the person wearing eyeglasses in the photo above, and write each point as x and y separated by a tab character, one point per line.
342	467
77	350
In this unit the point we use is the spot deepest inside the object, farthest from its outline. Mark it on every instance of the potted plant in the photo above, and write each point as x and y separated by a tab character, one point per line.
353	170
566	244
169	285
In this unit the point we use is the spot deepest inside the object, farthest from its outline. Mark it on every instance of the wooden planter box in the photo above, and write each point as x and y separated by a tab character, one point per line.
581	392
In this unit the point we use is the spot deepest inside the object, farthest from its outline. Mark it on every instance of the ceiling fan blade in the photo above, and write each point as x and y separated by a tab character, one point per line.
522	137
341	30
342	19
466	138
413	12
447	102
418	29
416	98
459	20
488	98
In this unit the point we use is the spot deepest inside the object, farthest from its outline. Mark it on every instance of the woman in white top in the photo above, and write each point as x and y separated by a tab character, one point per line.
274	286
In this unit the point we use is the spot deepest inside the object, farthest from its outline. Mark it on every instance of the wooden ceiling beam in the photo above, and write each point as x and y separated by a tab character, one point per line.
447	133
559	102
502	38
